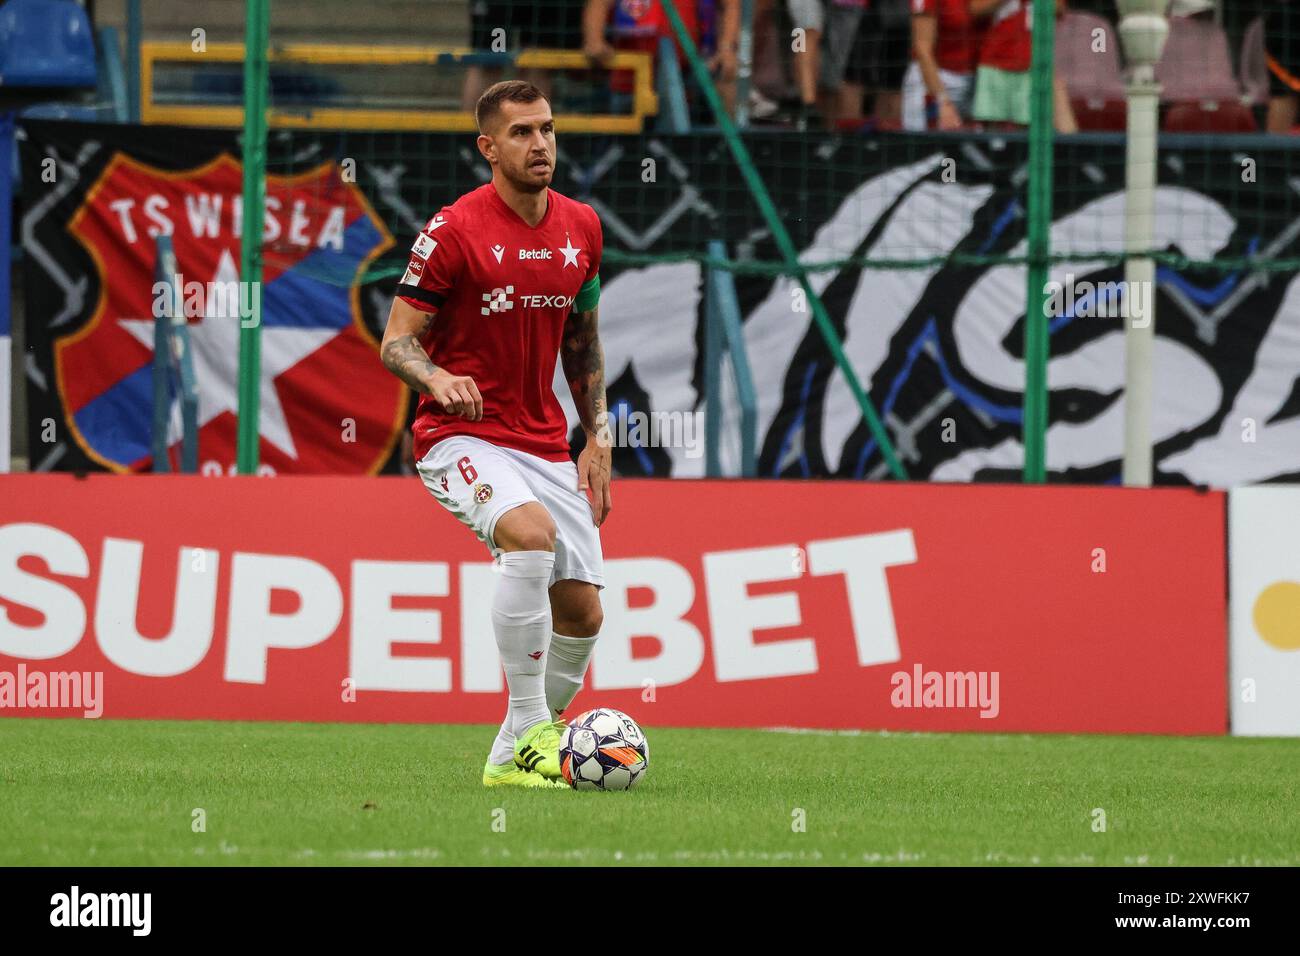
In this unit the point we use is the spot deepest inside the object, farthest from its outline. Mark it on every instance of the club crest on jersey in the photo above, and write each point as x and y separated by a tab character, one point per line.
482	493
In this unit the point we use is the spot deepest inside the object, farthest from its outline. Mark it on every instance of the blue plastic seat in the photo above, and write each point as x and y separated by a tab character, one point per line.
46	43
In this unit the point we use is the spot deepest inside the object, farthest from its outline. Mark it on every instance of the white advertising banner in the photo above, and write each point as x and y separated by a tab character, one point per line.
1264	610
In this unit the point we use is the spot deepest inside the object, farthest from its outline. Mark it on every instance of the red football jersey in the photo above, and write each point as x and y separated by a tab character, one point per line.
1008	42
502	291
958	35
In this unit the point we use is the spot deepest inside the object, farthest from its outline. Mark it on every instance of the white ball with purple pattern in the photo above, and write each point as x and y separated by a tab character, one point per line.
603	749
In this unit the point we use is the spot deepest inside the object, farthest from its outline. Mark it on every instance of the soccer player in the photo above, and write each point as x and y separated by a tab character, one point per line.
498	285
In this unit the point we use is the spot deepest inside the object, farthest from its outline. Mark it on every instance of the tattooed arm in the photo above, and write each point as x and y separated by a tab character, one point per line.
406	358
584	370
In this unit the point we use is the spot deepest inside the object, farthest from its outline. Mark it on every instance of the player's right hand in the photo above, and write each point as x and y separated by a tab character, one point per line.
457	394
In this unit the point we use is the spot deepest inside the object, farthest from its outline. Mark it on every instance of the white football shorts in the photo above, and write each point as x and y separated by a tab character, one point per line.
478	482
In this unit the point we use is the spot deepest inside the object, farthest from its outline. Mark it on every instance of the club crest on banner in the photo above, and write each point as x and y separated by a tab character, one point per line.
326	402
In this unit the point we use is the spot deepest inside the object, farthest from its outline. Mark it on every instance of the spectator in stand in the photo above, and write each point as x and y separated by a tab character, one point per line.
1282	48
769	81
721	44
521	25
945	47
884	42
1002	79
810	17
637	25
854	46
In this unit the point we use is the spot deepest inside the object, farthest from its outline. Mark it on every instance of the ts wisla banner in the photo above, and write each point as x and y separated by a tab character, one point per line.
816	604
327	405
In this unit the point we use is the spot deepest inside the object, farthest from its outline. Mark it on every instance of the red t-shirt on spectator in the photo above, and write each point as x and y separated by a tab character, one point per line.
1008	44
637	25
958	35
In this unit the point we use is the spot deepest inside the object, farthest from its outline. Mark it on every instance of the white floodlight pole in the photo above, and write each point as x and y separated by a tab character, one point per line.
1142	30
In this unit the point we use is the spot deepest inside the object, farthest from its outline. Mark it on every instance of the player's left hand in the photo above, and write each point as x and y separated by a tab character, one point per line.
594	465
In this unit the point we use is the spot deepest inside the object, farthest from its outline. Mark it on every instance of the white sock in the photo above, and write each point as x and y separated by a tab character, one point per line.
503	748
566	669
569	659
521	619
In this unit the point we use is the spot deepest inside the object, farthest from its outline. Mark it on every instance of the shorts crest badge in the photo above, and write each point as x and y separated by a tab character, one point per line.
482	492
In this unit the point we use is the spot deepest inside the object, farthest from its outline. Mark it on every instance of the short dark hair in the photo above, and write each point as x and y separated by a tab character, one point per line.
514	91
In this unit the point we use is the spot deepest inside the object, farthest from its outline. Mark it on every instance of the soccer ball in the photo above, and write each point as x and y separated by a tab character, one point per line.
603	749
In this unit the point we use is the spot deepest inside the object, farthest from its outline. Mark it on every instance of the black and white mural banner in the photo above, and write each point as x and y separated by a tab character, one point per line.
938	346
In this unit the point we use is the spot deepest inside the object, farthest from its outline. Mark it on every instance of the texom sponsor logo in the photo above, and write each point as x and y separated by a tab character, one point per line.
646	596
75	908
499	300
546	301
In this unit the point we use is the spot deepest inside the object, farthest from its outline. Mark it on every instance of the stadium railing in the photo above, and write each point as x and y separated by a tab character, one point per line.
173	368
160	106
725	345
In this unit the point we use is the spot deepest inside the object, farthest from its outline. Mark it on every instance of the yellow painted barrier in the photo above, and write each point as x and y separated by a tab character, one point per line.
644	101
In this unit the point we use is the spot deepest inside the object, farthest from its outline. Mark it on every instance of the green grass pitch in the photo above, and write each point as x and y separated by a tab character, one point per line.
77	792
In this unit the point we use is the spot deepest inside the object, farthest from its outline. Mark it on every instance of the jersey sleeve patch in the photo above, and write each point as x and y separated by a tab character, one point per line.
433	267
424	244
